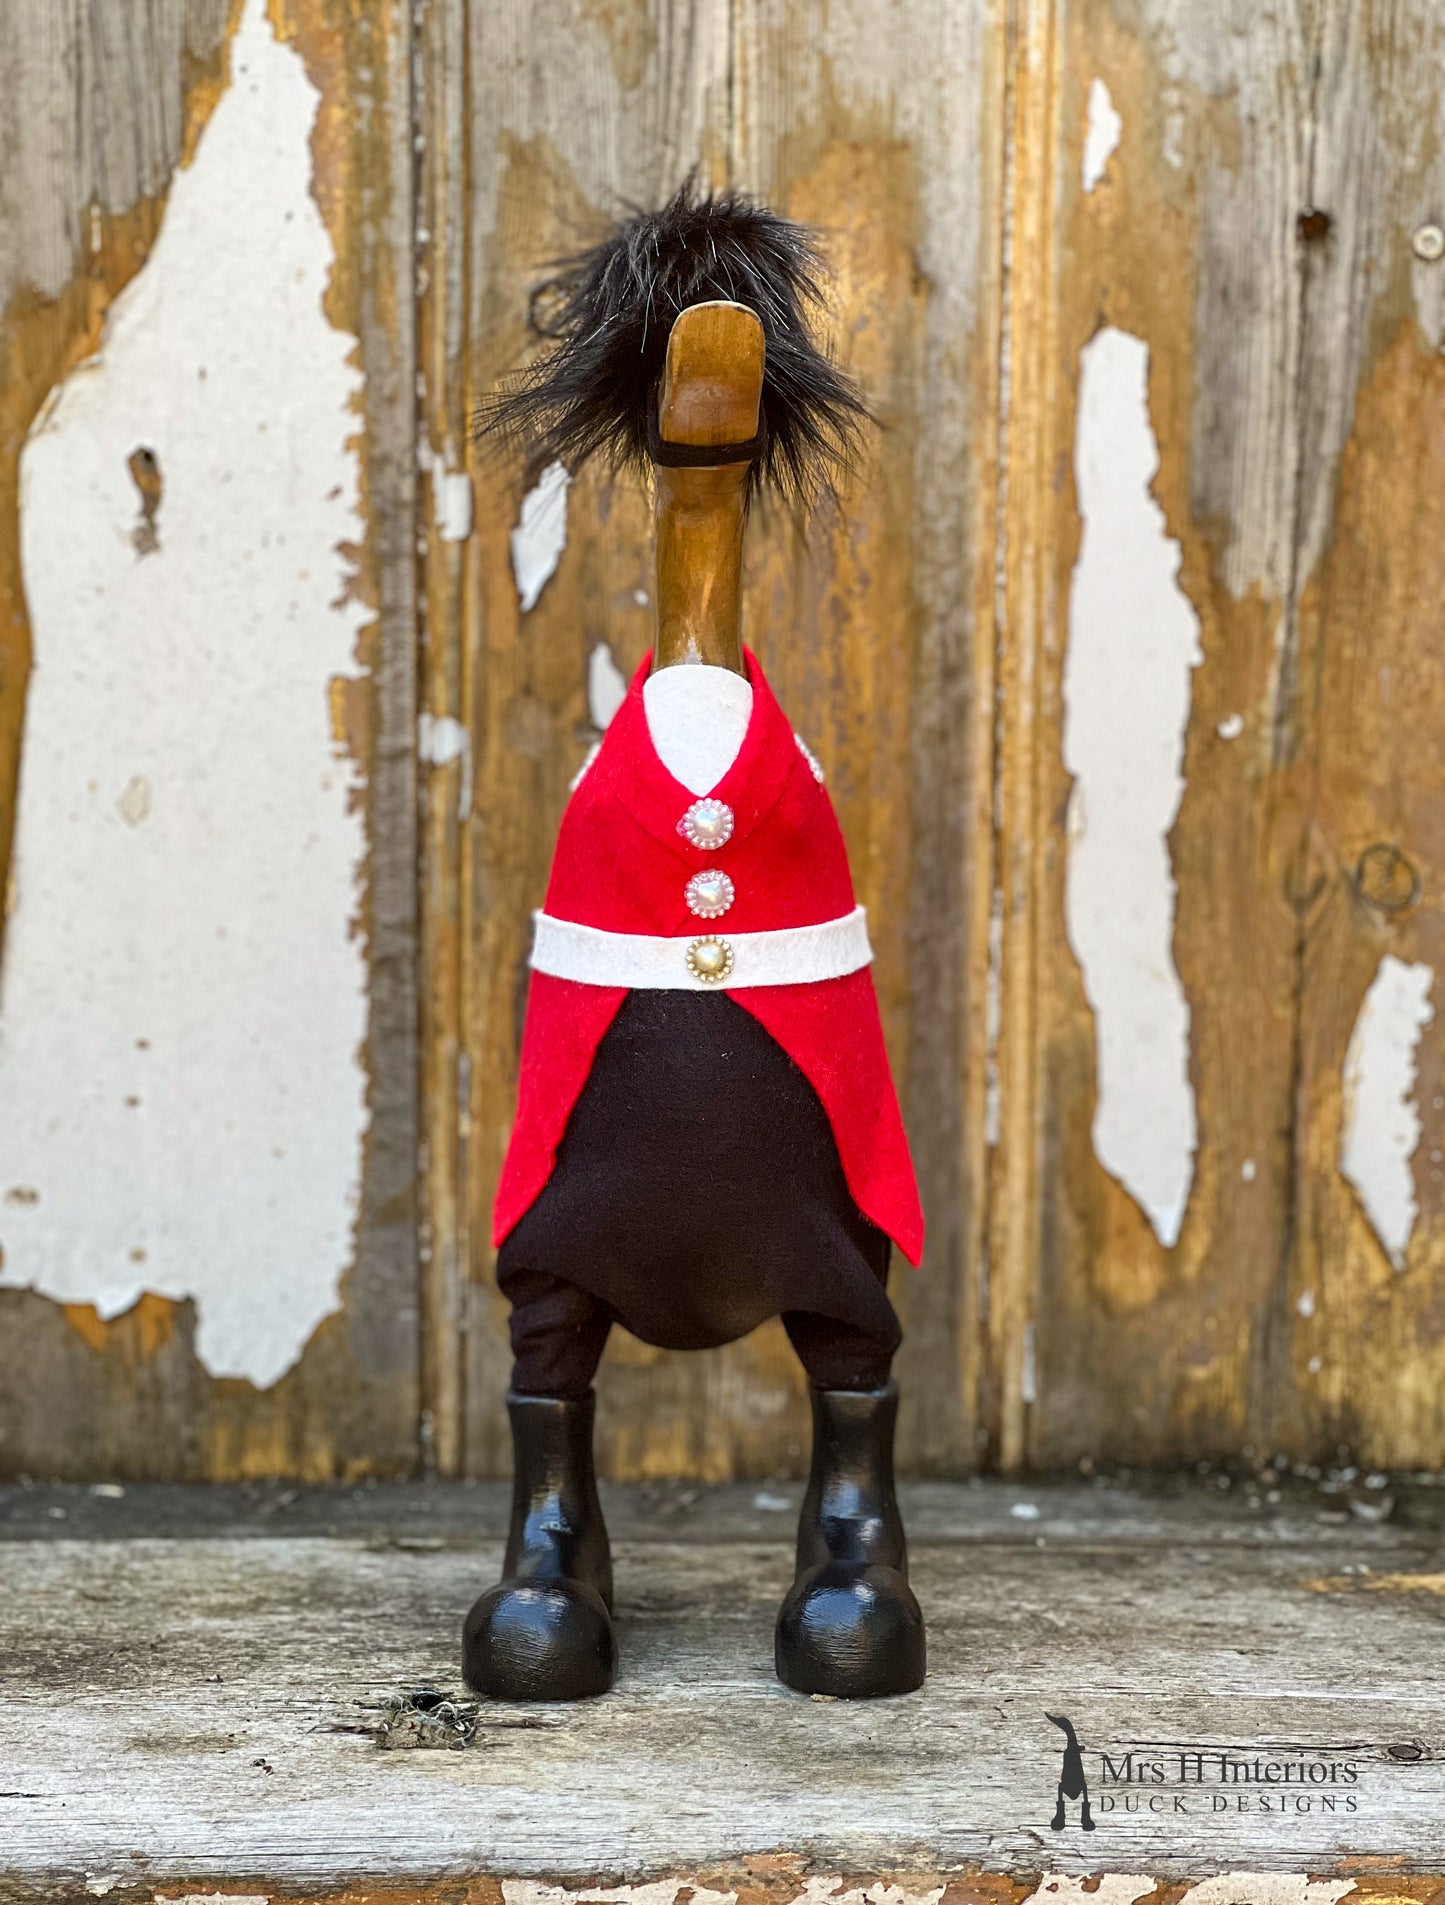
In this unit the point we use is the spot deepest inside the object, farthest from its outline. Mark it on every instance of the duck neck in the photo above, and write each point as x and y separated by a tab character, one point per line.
700	516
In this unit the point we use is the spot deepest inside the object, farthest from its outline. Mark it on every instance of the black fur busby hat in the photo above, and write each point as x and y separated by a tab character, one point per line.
610	311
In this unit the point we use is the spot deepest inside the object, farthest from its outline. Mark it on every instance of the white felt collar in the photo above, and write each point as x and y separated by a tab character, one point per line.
697	717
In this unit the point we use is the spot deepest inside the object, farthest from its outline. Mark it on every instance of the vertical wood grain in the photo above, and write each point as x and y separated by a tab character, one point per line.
575	110
878	631
448	791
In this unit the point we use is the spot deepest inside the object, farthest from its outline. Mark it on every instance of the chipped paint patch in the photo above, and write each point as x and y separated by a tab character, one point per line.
184	1004
1109	1888
1266	1888
1132	644
1382	1119
825	1891
820	1890
540	535
454	509
440	740
1227	1888
213	1898
653	1892
606	686
1101	135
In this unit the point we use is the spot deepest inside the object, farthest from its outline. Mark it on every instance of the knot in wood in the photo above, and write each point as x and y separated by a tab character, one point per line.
1386	878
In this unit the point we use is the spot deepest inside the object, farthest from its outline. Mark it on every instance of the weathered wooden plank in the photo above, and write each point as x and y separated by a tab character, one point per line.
447	779
875	628
205	1678
878	633
1360	1342
1223	258
1385	1526
112	103
559	145
1173	278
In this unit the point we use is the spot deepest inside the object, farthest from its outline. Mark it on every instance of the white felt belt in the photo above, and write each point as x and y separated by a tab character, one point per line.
789	956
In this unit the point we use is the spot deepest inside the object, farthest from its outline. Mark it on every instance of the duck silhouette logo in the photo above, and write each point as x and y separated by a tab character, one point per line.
1072	1783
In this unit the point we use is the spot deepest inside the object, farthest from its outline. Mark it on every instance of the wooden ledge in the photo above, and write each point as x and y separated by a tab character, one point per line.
193	1713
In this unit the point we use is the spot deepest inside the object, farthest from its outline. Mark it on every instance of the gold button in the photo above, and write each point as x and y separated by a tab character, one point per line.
710	960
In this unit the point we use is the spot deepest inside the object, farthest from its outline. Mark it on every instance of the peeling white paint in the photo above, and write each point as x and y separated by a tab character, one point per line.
440	740
1109	1888
1305	1304
1249	1170
1228	1888
651	1892
215	1898
1231	727
606	686
1055	1888
1029	1367
1381	1117
826	1891
540	535
1266	1888
1133	642
1101	135
184	1001
819	1890
453	505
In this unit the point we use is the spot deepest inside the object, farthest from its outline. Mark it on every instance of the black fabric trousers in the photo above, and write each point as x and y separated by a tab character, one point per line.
697	1192
559	1331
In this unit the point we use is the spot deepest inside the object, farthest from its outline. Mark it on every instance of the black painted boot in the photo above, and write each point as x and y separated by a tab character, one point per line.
850	1626
545	1631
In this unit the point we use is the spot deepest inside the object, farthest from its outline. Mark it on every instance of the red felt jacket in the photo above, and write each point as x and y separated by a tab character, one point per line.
621	865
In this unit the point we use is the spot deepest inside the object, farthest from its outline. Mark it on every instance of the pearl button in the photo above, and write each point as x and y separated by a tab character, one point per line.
710	960
707	824
710	893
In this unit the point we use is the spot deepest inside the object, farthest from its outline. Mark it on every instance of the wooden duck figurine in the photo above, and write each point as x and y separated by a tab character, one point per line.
707	1132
